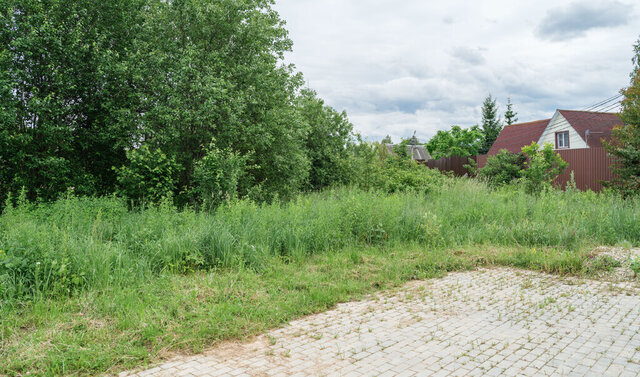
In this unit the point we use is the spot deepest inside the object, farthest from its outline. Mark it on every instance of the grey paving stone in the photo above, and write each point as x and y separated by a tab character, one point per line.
480	323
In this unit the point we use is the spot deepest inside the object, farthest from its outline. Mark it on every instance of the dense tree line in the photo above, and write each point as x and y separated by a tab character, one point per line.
131	95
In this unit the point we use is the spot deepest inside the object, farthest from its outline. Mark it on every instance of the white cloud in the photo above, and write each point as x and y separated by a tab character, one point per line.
423	65
577	18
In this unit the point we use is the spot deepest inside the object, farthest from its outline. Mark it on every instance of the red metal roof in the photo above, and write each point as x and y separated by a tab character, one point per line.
516	136
598	124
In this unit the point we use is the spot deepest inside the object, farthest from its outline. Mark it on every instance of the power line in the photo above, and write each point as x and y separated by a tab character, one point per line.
603	102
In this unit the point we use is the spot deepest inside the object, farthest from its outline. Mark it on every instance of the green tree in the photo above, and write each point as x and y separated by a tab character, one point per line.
387	140
542	168
624	145
457	141
64	79
82	82
491	123
510	115
213	69
327	141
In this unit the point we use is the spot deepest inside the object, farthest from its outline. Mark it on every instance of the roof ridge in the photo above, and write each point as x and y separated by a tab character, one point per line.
525	123
588	111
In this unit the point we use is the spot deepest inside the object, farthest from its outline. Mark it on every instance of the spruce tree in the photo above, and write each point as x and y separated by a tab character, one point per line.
491	123
510	115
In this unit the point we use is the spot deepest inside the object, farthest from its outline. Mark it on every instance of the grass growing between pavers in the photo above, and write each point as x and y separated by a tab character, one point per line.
109	331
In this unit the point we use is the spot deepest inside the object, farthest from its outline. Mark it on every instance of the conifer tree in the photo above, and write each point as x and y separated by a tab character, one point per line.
491	123
510	115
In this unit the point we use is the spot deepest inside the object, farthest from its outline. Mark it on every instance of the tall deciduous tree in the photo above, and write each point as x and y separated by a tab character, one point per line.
625	143
510	115
82	82
491	123
327	141
213	69
457	141
64	79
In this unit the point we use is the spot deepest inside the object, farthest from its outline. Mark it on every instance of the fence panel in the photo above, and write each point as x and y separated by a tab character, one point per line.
451	164
590	166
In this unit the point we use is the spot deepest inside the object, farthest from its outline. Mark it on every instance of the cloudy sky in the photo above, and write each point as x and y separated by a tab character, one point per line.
397	66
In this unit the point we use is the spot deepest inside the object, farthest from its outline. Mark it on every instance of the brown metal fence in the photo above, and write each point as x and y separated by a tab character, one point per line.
590	166
452	164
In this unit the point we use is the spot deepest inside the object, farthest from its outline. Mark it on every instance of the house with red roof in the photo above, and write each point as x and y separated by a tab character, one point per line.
566	130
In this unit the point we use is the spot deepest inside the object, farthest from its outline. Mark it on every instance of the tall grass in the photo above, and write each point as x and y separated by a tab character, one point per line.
96	243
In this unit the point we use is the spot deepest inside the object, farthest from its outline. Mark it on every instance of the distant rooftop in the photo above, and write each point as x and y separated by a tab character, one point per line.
417	152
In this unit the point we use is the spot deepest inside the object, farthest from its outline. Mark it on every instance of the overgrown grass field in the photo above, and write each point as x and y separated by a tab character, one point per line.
88	286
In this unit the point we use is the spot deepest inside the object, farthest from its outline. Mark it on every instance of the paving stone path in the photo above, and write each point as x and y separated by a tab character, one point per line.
492	322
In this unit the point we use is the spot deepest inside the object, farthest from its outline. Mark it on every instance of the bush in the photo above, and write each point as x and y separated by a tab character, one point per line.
543	166
503	168
149	176
380	170
217	174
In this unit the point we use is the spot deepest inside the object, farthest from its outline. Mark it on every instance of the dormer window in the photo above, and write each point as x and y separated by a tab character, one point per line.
562	140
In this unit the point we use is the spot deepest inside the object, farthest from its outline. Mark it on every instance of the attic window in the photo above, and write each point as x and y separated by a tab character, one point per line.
562	140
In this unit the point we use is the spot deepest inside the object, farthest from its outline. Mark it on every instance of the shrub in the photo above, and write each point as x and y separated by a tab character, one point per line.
503	168
216	175
149	175
382	171
543	166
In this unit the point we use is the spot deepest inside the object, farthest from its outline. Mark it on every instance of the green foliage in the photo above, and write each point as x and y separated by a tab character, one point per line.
635	266
228	82
216	176
624	145
82	82
542	167
382	171
387	140
503	168
471	166
491	123
510	115
148	176
463	142
328	141
64	79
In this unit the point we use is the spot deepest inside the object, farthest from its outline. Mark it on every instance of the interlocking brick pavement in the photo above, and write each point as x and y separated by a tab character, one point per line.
491	322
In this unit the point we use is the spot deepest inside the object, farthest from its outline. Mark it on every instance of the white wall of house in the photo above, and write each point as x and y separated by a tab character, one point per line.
559	124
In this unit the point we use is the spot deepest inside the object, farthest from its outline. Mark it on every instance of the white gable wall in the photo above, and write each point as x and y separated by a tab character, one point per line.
559	124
